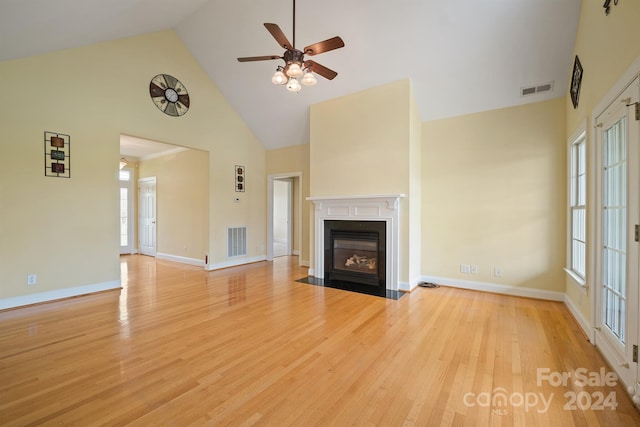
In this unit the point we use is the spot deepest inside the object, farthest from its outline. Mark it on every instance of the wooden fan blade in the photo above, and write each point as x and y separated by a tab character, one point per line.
258	58
324	46
277	34
321	70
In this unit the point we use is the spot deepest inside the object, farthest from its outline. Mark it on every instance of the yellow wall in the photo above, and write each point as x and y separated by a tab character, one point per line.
415	193
493	195
606	46
360	143
66	230
182	200
285	161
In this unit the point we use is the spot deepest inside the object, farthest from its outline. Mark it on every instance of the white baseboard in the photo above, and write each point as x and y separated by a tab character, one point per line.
235	263
497	288
405	287
296	252
304	263
180	259
582	322
40	297
311	272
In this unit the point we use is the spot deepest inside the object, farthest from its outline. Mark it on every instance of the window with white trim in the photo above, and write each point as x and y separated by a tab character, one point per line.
577	207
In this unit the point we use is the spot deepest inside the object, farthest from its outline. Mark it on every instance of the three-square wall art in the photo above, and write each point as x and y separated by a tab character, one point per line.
240	179
57	155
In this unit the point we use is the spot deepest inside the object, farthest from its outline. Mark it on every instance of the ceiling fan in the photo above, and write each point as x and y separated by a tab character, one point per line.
295	63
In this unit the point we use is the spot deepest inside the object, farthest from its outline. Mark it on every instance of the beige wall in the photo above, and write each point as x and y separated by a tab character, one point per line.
182	201
493	188
66	230
606	46
288	160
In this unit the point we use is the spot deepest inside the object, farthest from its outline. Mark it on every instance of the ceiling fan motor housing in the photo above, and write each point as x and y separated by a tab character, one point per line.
294	55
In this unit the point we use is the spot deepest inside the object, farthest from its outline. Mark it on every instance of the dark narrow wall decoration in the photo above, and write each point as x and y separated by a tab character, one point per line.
240	178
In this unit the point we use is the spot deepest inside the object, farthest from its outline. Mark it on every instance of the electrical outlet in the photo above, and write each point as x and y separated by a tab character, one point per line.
32	279
465	268
474	269
497	271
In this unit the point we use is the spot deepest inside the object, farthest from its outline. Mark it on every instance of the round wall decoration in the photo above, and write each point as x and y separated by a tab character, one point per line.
169	95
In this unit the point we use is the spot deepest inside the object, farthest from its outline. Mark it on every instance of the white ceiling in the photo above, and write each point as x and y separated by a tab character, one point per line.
463	56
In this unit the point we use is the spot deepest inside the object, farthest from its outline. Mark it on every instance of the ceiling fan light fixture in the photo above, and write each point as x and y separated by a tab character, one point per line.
293	85
295	65
279	78
294	70
309	79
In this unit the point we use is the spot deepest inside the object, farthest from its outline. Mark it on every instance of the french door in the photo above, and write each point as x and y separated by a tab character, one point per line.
126	211
617	275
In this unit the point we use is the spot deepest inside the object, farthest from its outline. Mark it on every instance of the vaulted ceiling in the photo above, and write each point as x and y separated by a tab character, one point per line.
463	56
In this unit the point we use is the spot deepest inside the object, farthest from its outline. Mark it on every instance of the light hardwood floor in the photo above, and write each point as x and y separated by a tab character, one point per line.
250	346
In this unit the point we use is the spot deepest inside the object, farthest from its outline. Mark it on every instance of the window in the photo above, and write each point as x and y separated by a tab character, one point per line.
126	211
577	207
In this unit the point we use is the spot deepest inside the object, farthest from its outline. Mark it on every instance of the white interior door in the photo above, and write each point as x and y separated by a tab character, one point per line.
147	215
617	274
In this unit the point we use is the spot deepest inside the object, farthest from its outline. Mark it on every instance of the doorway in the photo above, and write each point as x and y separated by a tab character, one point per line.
180	200
616	296
277	185
282	217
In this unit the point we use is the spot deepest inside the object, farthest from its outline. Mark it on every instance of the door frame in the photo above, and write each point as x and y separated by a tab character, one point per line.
608	351
297	207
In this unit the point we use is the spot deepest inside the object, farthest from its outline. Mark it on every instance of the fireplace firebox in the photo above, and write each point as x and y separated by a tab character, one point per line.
355	253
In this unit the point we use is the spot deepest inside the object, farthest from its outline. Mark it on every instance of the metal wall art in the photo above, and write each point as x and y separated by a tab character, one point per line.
57	155
576	81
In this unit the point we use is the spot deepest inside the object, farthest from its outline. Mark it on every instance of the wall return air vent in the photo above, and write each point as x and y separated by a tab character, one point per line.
236	241
535	89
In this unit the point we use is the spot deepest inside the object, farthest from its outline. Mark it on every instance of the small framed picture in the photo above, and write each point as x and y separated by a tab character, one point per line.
57	167
57	142
576	81
57	155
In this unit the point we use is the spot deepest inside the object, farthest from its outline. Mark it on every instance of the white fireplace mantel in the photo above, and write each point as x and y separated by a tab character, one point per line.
383	207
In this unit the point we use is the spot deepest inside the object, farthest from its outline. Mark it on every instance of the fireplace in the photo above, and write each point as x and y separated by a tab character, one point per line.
365	211
355	252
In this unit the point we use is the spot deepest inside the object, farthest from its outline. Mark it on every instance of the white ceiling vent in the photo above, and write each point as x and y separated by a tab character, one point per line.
539	88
